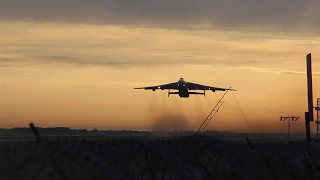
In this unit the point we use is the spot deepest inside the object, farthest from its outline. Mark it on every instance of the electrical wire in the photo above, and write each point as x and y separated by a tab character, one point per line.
243	114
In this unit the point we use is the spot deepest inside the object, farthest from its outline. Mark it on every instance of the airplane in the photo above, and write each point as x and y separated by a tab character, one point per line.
183	88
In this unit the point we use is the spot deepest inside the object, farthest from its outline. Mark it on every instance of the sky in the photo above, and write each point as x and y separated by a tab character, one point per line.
75	63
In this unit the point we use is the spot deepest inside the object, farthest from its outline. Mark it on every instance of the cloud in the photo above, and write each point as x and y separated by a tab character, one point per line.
24	77
277	16
26	44
274	70
255	69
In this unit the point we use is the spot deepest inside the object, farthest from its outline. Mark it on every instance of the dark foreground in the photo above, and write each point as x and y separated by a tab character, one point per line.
190	157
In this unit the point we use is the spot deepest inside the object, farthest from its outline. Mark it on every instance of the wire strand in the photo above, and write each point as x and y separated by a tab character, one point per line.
243	114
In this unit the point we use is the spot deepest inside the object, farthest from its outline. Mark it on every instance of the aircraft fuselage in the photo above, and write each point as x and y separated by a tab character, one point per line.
183	91
182	88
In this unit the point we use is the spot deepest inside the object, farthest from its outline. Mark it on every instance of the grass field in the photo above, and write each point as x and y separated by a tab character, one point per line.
149	157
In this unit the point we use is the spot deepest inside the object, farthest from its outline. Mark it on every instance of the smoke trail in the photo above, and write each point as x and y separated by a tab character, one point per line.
200	111
176	100
165	117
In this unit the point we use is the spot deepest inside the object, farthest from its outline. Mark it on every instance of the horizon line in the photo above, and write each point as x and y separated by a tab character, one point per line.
176	130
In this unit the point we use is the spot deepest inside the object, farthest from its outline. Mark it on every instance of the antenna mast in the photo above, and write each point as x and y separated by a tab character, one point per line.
212	113
290	118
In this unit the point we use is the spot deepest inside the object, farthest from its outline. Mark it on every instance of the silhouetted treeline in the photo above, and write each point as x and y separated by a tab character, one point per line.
66	130
49	130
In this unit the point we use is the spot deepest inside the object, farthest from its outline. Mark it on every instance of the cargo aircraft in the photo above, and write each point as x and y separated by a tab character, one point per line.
183	88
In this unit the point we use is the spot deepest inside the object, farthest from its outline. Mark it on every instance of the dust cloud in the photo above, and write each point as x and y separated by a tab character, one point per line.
165	116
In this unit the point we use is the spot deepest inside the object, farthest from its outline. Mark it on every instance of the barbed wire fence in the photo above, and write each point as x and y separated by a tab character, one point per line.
189	157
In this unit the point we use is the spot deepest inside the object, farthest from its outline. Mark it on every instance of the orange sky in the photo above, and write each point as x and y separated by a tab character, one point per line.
82	75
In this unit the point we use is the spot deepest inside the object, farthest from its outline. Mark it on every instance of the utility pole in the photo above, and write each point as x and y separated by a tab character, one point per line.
289	118
318	115
309	113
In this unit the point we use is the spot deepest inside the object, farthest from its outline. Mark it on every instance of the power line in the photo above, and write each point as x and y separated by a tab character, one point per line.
243	114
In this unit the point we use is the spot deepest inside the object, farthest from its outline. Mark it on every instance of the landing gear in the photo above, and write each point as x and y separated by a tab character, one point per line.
169	93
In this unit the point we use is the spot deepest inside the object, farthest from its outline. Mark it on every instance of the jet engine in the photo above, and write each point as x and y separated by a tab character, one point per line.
172	93
204	93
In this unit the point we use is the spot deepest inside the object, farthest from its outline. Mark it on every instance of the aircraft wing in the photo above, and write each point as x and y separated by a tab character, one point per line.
195	86
173	85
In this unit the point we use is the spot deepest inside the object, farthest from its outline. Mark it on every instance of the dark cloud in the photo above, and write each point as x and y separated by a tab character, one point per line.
272	15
